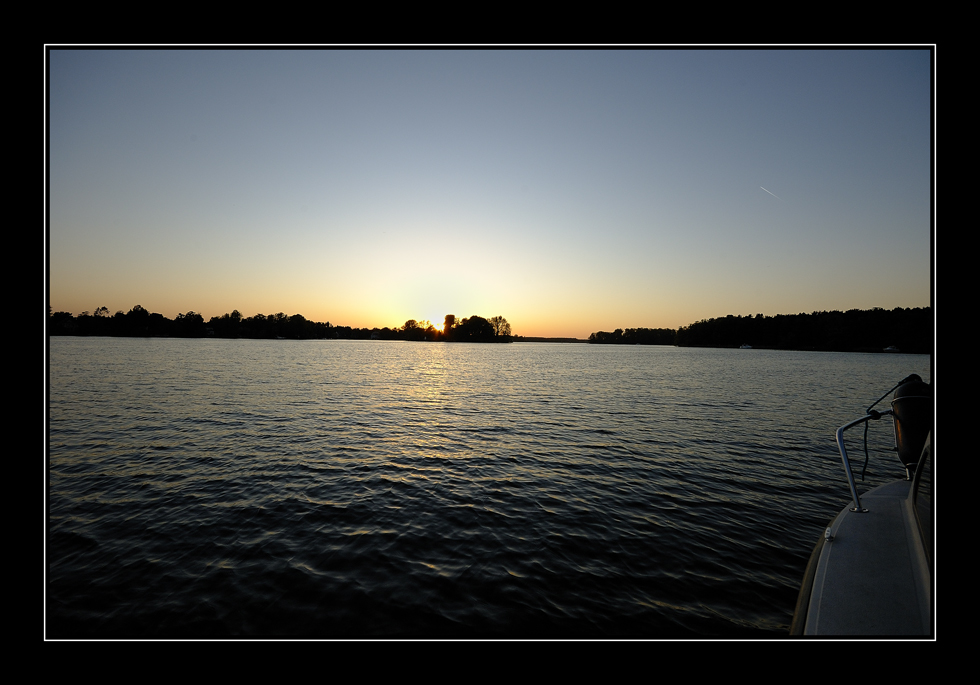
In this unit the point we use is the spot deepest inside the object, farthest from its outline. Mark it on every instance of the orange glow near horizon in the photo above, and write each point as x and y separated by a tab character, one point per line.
569	191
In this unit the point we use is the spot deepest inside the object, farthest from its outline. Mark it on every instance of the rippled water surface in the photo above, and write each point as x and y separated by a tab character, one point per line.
221	488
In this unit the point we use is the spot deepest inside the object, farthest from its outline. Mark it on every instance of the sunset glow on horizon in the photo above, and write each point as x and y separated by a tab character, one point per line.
569	191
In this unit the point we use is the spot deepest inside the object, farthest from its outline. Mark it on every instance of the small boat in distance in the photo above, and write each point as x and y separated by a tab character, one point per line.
745	347
870	573
891	348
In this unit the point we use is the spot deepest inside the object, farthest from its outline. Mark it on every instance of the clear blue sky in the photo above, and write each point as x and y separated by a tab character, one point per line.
569	191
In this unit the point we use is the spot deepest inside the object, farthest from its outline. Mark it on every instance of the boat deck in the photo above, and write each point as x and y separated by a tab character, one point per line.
872	577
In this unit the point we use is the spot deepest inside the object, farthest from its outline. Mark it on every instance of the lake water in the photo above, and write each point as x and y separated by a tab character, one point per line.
241	488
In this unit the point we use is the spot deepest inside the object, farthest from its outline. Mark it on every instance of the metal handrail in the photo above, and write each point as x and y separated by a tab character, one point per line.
872	416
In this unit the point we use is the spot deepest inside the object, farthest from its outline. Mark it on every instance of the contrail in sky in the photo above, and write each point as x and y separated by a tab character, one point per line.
773	194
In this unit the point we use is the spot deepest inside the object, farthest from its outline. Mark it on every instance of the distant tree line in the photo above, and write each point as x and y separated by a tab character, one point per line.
856	330
636	336
539	339
138	322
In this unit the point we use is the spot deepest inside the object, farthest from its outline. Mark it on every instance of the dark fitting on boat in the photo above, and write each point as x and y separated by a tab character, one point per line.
912	408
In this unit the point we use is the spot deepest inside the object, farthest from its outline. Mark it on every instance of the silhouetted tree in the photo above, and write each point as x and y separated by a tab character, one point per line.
189	325
61	323
501	328
412	330
137	321
447	326
297	327
473	329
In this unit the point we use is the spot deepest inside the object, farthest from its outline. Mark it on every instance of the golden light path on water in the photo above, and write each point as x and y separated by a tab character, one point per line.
244	488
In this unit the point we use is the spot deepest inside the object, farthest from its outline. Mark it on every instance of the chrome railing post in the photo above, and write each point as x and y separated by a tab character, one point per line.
847	465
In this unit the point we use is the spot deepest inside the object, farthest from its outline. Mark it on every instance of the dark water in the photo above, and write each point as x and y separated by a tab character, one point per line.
215	488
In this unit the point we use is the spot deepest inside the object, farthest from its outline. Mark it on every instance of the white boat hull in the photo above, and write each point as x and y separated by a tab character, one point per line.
871	576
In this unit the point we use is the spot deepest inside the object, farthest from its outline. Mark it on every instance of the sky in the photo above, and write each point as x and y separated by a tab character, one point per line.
570	191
